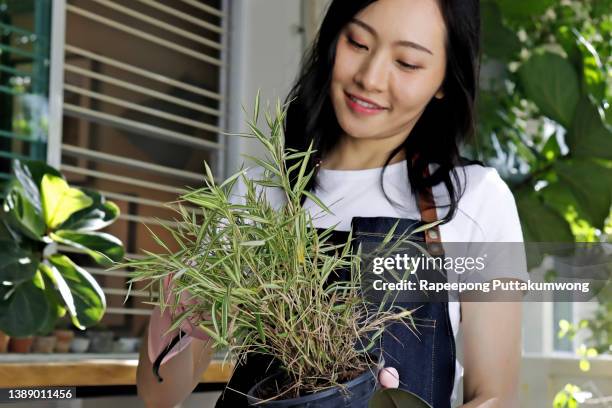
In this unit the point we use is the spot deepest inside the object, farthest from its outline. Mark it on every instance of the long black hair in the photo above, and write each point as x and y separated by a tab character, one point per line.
438	134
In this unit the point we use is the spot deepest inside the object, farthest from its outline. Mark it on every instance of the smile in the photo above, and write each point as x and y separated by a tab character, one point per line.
361	106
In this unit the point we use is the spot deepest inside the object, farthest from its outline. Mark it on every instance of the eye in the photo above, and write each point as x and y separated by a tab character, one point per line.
407	66
356	44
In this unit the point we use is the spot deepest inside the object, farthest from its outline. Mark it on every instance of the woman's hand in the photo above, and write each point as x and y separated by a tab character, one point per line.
388	377
159	338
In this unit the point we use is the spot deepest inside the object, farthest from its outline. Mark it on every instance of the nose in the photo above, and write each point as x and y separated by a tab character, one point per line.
372	74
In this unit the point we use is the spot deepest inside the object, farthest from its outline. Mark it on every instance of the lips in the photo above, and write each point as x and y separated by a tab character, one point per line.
362	106
357	98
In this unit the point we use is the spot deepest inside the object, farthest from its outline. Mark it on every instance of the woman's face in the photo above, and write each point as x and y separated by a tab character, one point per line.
390	61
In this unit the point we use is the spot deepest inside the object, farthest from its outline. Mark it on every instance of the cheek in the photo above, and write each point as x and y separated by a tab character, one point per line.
413	91
344	65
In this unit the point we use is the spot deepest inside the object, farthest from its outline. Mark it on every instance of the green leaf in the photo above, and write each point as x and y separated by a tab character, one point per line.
22	311
55	309
560	400
498	41
591	184
566	37
601	8
30	187
6	232
589	136
551	149
60	200
36	169
558	197
22	214
89	302
540	222
62	287
95	217
586	60
593	71
523	10
551	82
16	264
102	247
393	397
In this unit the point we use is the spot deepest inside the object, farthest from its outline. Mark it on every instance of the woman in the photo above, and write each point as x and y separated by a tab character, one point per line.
387	96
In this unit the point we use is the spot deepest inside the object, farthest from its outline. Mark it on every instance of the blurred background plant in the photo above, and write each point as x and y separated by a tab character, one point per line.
546	125
544	112
39	284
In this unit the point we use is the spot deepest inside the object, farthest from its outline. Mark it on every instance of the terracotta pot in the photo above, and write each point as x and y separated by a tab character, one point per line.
20	344
4	341
80	345
64	339
44	344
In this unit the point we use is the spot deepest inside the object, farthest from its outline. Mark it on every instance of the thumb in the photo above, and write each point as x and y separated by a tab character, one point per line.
388	377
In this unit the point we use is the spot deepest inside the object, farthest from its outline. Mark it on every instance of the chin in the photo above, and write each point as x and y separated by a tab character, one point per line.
356	131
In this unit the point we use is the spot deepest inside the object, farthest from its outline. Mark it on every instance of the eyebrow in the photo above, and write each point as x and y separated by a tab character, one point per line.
404	43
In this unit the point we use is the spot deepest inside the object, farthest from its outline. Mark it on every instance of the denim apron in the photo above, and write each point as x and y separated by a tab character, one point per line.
425	358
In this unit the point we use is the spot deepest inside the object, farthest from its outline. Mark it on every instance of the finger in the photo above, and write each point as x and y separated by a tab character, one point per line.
388	377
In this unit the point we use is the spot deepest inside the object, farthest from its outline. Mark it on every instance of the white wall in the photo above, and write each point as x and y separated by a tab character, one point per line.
265	51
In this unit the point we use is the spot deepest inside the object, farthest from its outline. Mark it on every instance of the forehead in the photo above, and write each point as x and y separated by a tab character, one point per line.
413	20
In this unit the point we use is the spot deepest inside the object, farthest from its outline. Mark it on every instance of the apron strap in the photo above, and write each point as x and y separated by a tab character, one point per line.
433	239
427	208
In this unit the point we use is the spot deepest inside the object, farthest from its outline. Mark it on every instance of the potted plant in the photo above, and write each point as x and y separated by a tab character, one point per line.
80	343
101	338
126	344
63	335
44	342
256	280
20	344
39	284
4	341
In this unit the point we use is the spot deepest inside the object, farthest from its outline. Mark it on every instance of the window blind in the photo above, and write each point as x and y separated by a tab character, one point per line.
144	106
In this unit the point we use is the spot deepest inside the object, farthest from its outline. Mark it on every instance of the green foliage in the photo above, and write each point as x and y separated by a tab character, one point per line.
566	398
546	124
38	285
550	81
545	120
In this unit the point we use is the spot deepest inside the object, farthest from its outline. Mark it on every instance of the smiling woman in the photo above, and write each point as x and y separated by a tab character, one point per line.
386	96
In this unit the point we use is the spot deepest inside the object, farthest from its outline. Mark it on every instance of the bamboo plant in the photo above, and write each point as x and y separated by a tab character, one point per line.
259	273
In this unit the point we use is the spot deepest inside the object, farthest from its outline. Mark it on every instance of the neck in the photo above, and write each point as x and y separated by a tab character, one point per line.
356	154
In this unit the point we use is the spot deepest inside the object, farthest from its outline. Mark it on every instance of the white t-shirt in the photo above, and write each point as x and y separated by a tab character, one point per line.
486	211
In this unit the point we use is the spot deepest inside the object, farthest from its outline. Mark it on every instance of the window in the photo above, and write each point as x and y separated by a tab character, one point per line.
24	78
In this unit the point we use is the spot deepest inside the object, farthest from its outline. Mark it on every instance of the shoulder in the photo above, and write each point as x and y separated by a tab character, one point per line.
487	209
478	186
483	183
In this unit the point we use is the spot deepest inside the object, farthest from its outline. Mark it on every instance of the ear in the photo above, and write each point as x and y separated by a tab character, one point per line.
439	94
